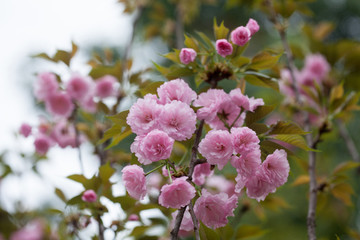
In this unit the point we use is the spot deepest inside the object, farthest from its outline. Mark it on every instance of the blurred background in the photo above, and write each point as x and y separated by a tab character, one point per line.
31	27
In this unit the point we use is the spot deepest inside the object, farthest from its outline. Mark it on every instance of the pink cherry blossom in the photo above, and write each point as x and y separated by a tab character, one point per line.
134	181
209	102
240	36
78	87
89	196
105	87
227	112
219	184
223	47
88	104
317	65
213	210
253	26
59	104
248	162
177	194
243	101
176	89
187	55
217	147
153	147
32	231
258	187
46	85
276	168
187	225
64	134
244	140
178	120
200	172
25	129
42	144
144	115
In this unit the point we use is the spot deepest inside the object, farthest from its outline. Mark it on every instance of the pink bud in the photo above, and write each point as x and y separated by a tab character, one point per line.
89	196
25	129
253	26
240	36
42	144
223	47
187	55
133	217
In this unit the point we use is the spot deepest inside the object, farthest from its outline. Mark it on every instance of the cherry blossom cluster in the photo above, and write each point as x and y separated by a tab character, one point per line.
239	36
61	99
160	120
313	75
315	70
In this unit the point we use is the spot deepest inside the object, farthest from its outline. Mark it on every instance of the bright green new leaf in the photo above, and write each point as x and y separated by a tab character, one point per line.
293	139
190	43
105	172
221	31
151	88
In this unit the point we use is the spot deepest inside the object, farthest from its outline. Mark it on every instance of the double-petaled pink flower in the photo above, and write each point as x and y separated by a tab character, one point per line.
134	180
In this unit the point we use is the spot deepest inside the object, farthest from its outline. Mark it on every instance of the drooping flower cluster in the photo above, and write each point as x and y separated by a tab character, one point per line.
160	120
61	99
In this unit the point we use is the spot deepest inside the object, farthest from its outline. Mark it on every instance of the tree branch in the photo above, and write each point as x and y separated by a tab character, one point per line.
101	228
195	221
179	29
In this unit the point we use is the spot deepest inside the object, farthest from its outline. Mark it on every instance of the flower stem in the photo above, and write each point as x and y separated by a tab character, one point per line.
153	170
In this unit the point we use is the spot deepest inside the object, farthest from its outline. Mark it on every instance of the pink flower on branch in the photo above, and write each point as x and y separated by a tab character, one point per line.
276	168
200	172
240	36
187	225
176	89
153	147
253	26
213	210
144	116
42	144
178	120
89	196
177	194
134	180
187	55
223	47
105	87
59	104
45	86
217	147
78	87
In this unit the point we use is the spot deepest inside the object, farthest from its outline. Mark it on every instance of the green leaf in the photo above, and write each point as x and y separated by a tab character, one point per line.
78	178
343	192
119	137
105	172
111	132
207	233
259	128
302	179
258	114
151	88
294	139
119	118
126	202
173	56
176	71
190	43
282	127
268	147
261	81
102	70
139	231
60	194
62	56
221	31
344	166
206	40
75	200
336	92
264	60
248	231
240	61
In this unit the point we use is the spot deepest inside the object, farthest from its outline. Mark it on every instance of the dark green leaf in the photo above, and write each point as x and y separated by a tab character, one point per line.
60	194
258	114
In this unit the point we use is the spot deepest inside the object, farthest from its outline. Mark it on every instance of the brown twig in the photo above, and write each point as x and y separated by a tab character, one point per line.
195	221
100	227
